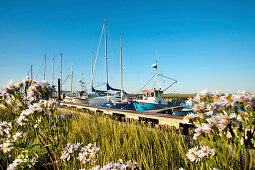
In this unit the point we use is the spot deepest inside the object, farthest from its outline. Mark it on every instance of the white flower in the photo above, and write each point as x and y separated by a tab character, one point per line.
205	93
35	107
97	167
65	155
15	163
207	128
189	117
213	121
225	119
32	162
20	120
205	151
242	115
6	146
193	156
17	135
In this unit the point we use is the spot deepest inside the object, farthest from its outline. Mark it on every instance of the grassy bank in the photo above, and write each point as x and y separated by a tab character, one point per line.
151	147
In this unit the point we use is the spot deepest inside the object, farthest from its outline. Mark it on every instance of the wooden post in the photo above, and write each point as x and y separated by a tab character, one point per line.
59	92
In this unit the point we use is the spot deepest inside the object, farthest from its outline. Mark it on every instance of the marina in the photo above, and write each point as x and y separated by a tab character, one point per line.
127	85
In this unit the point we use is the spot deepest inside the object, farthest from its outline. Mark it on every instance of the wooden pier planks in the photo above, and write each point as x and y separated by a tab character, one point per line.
148	116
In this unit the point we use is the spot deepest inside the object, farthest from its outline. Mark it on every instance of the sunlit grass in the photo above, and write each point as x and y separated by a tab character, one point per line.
151	147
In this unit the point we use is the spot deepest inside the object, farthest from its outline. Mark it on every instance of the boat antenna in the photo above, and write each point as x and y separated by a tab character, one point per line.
156	67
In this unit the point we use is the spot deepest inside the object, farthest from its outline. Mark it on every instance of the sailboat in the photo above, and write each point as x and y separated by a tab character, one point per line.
104	96
121	100
153	98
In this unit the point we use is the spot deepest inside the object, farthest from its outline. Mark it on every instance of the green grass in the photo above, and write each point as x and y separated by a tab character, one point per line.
150	147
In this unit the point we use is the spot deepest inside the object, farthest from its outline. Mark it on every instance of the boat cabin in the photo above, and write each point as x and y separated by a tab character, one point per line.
152	94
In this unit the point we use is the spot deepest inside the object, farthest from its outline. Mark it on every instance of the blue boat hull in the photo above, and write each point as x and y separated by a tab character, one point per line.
128	106
150	106
179	112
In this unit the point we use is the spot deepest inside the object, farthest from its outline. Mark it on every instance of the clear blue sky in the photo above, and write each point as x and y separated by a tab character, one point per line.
202	44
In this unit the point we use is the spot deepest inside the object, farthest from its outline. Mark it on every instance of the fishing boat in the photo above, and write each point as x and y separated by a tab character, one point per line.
153	98
120	100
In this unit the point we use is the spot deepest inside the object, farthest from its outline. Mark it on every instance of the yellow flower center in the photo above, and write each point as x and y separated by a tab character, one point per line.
63	154
230	100
187	117
196	156
129	163
19	156
5	147
244	115
204	151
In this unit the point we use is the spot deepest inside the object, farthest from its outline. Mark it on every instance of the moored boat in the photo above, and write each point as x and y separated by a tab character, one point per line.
153	99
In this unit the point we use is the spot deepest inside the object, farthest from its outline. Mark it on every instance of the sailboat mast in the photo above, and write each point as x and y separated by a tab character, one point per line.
106	67
156	70
121	65
53	71
72	78
44	75
31	72
61	72
92	67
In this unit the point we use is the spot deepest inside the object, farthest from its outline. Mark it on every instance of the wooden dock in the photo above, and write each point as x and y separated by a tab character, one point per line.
154	116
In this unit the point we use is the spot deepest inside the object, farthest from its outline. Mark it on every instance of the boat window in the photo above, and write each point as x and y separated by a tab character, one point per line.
152	94
156	94
160	94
